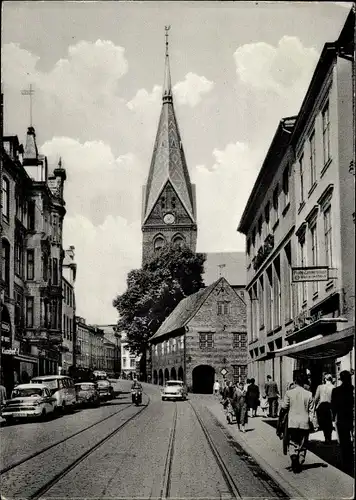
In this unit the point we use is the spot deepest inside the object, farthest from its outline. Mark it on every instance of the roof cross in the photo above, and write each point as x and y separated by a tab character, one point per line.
30	91
167	28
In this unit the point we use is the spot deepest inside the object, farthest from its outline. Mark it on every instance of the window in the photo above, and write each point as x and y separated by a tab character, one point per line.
312	159
29	312
178	241
267	218
124	362
19	302
275	201
303	263
239	340
5	198
239	373
223	307
326	133
30	264
54	313
255	312
277	292
158	243
19	255
287	283
182	342
328	237
45	265
269	300
6	265
55	271
260	226
286	186
206	340
301	179
314	253
31	215
261	301
132	363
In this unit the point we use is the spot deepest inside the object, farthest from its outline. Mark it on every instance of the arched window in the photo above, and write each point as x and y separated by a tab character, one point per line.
178	241
5	197
158	243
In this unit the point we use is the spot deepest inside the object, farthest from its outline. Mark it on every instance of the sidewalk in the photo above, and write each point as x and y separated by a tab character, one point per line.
318	479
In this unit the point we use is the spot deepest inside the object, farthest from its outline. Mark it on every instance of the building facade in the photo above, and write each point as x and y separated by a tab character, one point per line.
90	345
112	346
32	217
202	340
69	271
130	364
299	226
168	201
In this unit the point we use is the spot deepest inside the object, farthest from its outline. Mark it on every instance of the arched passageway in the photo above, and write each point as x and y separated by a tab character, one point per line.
180	373
160	377
166	375
155	377
173	374
203	379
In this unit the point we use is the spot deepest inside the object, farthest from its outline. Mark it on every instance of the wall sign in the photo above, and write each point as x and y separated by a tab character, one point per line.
300	274
10	352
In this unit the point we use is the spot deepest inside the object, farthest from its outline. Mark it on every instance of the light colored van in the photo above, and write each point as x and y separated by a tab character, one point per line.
62	389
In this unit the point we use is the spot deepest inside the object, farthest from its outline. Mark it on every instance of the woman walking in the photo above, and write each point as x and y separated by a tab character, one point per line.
240	406
323	407
252	397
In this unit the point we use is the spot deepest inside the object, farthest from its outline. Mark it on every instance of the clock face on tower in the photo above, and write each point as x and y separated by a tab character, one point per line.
169	219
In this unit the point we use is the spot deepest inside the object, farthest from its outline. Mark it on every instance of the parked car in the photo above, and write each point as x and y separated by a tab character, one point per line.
174	389
105	389
29	400
87	394
61	388
100	375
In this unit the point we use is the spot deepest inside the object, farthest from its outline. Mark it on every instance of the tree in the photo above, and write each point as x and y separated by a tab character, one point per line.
154	291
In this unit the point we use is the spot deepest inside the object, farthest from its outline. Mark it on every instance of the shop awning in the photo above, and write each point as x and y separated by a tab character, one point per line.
321	325
334	345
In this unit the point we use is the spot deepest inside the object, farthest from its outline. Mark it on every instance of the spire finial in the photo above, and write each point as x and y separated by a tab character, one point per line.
167	90
30	91
60	162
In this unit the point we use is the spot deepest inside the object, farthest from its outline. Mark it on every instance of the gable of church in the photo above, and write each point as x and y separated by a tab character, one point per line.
168	202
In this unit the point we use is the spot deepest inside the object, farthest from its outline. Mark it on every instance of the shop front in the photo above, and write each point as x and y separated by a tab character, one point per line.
7	352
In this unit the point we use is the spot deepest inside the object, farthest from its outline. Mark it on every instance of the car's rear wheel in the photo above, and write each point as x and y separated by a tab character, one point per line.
43	414
9	420
163	399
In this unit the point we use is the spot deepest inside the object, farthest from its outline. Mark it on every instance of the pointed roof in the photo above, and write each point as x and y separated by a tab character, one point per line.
30	156
168	159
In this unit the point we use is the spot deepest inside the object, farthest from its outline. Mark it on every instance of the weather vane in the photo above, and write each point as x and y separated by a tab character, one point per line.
30	93
167	28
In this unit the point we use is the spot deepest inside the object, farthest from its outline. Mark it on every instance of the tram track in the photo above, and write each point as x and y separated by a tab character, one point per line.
53	445
232	490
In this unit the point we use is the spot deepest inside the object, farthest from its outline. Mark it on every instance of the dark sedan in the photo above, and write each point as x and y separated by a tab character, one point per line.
87	394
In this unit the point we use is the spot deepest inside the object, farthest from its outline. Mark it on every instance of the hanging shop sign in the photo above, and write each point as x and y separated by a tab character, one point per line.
223	372
300	274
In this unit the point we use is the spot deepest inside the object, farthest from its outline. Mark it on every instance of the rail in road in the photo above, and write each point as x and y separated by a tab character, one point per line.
40	491
231	476
52	445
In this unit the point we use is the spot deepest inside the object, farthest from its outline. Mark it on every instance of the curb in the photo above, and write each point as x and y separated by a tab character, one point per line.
290	491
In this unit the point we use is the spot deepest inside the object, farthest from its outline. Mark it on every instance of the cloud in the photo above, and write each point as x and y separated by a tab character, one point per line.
222	190
191	89
104	255
189	92
280	69
97	182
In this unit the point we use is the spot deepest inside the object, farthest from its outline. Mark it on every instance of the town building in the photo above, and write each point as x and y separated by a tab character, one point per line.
202	340
168	202
69	272
130	363
268	222
90	345
300	282
32	218
112	346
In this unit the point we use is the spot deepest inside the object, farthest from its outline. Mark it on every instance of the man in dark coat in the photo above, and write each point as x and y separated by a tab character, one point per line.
252	397
342	406
272	393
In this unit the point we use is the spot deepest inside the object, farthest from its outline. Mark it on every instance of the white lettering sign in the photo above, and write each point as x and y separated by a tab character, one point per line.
5	326
10	352
309	274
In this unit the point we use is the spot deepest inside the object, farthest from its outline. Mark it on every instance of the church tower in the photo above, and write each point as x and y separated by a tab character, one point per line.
168	201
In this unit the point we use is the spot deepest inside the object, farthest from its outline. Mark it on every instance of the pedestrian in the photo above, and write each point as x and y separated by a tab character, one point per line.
240	406
248	382
253	397
342	405
216	388
300	406
323	407
272	393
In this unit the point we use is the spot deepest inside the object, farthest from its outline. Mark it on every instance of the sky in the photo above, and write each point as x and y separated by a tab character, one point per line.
97	69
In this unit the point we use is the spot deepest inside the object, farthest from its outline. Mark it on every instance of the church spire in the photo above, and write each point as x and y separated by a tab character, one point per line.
167	86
